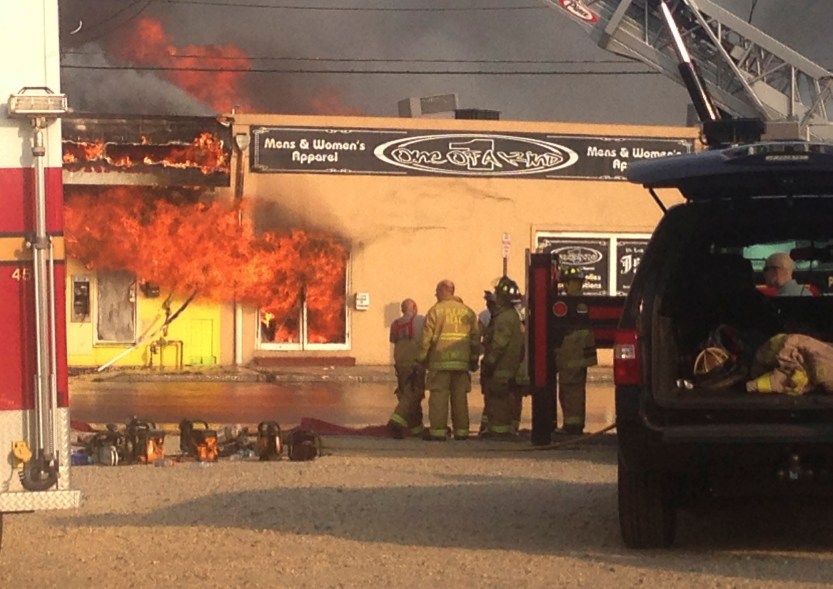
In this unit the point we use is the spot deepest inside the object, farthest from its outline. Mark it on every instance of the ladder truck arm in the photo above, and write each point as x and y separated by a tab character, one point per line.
747	73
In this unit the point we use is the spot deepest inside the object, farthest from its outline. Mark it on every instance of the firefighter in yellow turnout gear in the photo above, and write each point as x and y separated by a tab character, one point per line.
503	351
405	335
449	349
576	352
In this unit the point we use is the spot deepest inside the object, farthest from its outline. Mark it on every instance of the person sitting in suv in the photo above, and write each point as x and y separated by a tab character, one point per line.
778	274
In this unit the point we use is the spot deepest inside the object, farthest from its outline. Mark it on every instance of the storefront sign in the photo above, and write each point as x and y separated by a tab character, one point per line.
609	261
440	153
589	254
628	255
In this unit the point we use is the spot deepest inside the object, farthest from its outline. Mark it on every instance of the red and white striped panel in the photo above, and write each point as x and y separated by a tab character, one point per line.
29	33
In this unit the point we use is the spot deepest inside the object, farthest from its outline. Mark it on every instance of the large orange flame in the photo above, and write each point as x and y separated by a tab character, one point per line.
205	152
203	247
147	44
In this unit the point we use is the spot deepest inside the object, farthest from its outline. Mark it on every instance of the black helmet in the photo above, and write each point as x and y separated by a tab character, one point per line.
508	289
572	272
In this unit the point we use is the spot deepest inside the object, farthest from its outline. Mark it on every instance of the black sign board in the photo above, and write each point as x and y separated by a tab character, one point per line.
445	153
628	255
592	255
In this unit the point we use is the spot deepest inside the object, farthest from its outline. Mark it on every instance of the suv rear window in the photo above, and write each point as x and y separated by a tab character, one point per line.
813	260
714	254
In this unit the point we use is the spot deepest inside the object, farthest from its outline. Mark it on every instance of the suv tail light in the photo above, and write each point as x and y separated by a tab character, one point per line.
626	358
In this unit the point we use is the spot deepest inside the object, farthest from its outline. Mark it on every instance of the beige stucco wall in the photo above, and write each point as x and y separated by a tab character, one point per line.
408	232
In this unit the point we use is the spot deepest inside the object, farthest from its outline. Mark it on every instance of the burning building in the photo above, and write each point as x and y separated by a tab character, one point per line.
148	234
266	238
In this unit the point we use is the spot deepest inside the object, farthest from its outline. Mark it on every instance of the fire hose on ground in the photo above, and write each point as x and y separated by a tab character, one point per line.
512	445
569	442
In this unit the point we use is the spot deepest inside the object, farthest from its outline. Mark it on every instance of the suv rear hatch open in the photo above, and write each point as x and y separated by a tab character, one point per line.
708	293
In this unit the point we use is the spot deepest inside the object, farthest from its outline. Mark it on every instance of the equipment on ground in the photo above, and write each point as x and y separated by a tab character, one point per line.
143	441
235	441
269	445
198	441
303	444
107	447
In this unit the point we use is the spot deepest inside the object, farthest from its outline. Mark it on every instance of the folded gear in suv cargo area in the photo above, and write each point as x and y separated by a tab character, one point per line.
722	386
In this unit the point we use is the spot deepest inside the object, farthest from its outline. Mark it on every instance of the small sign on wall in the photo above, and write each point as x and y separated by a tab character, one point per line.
362	302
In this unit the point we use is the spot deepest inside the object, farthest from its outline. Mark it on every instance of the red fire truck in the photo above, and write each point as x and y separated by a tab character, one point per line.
551	314
34	412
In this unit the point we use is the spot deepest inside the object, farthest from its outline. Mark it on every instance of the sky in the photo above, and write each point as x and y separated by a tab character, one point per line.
271	37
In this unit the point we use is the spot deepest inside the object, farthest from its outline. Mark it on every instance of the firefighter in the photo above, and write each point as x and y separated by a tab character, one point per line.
483	320
521	388
576	352
405	335
449	348
502	354
485	315
522	379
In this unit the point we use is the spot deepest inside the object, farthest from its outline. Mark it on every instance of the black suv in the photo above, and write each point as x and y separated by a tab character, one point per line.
697	330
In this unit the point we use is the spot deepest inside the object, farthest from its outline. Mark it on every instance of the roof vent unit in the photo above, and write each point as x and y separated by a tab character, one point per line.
431	107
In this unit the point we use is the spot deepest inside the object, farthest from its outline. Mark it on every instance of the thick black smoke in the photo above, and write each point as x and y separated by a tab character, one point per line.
531	31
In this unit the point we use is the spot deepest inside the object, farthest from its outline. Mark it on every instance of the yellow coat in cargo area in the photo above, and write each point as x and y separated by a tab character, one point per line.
792	363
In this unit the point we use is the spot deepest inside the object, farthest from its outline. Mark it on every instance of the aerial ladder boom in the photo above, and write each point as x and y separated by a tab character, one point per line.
746	72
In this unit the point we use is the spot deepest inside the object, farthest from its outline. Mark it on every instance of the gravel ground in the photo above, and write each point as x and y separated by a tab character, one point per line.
380	512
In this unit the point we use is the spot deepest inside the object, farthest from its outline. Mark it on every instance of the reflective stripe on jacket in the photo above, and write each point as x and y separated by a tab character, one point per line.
797	364
450	336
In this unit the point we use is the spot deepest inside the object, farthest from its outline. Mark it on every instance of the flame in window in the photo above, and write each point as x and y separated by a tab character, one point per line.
196	246
205	152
